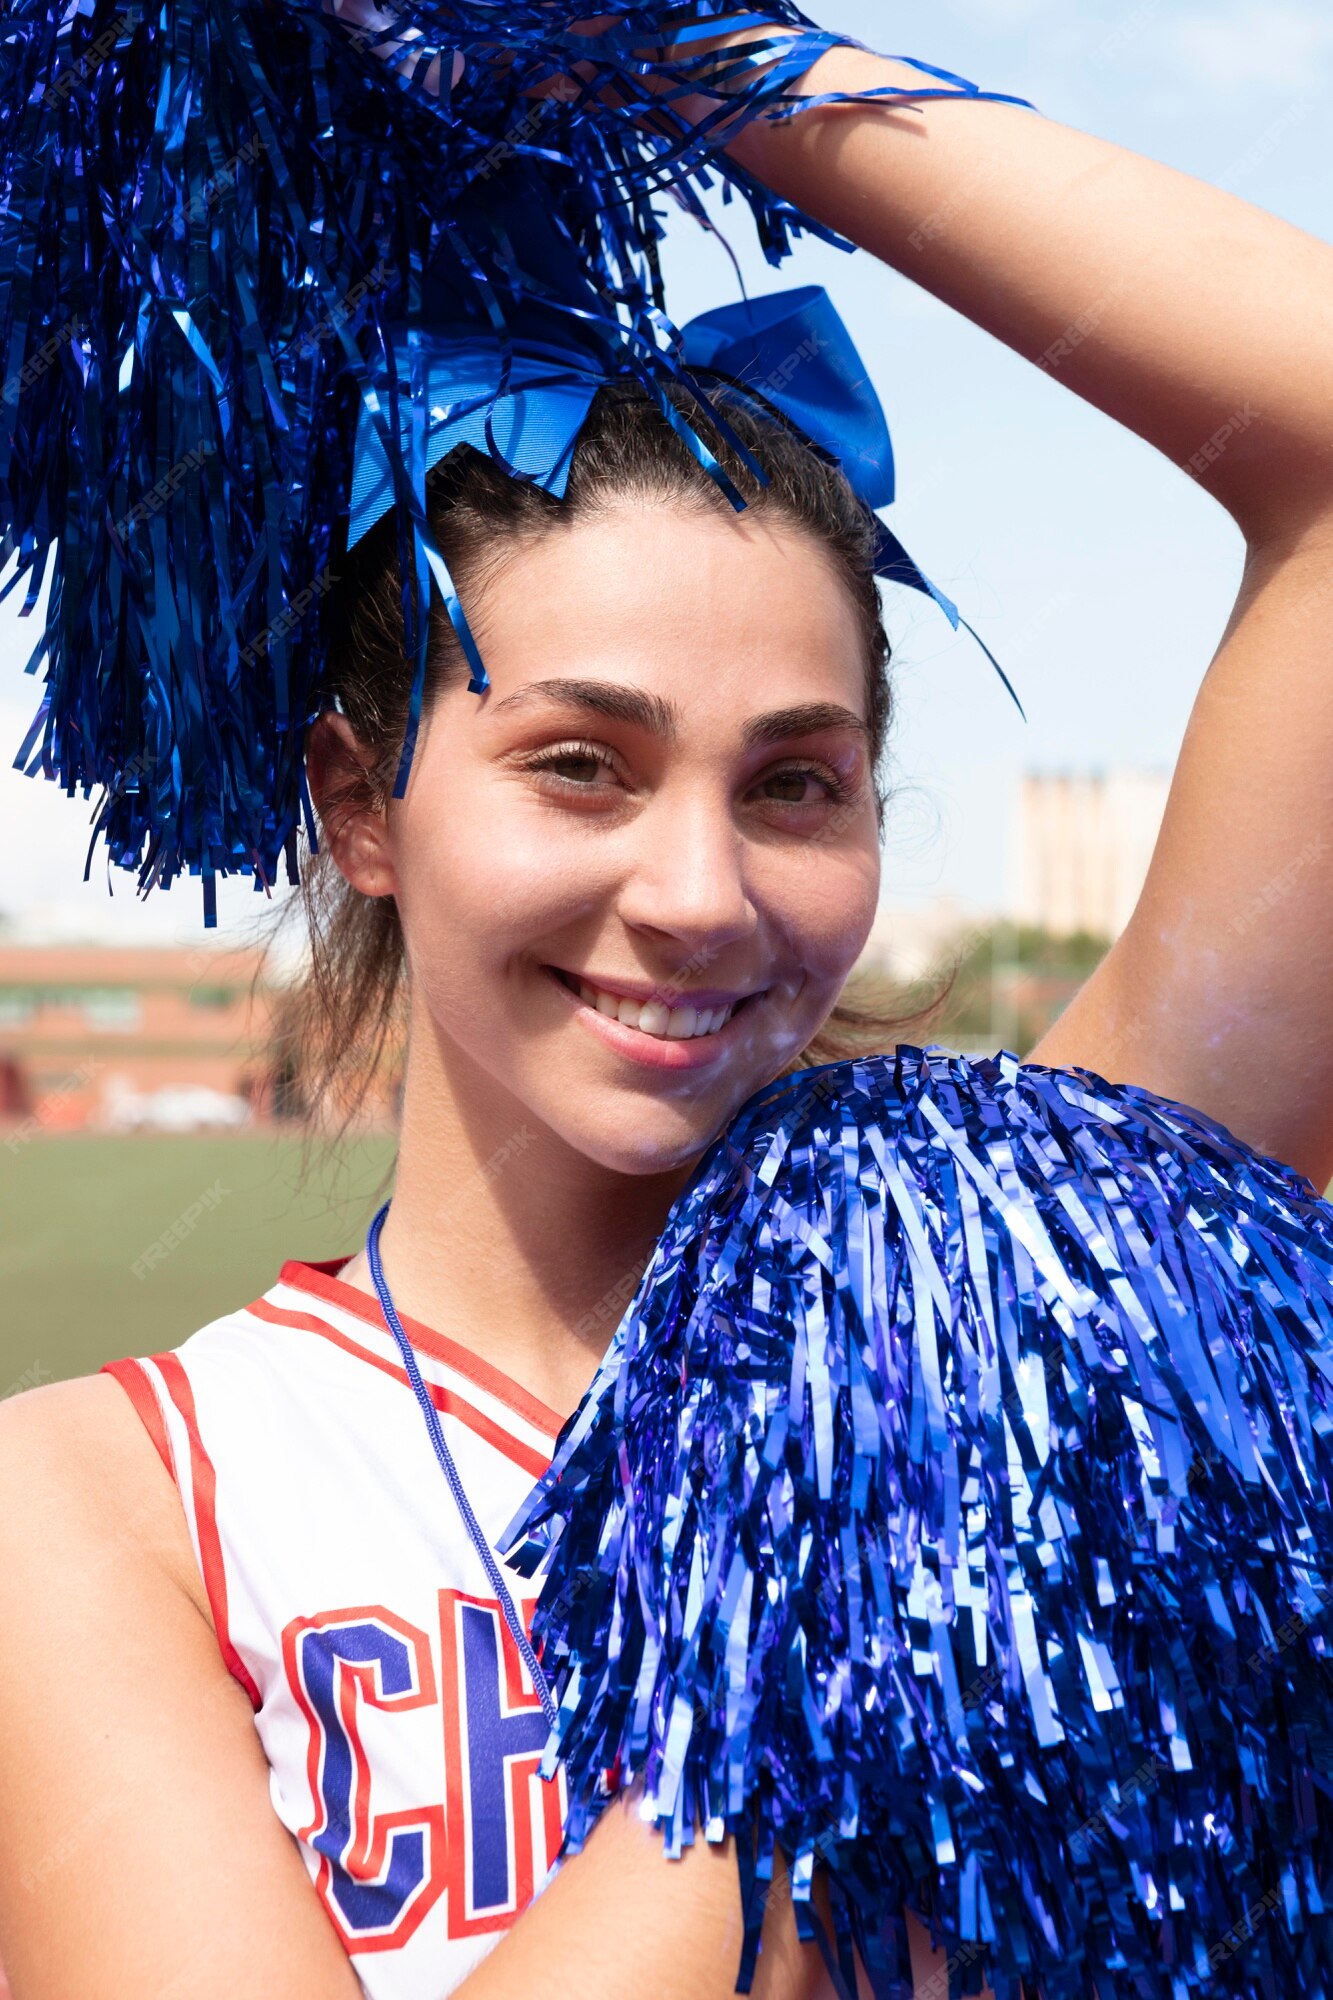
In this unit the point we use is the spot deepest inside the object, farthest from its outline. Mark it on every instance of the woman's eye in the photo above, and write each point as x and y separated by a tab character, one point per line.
587	768
793	787
574	764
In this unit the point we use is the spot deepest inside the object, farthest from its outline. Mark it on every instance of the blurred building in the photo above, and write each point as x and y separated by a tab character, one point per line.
910	940
158	1037
1084	844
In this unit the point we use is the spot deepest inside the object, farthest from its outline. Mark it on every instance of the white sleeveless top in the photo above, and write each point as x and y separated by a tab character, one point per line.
402	1731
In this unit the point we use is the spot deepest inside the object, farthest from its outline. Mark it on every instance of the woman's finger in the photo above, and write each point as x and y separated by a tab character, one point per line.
373	26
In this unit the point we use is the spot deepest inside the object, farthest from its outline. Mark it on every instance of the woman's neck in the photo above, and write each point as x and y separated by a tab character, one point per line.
504	1238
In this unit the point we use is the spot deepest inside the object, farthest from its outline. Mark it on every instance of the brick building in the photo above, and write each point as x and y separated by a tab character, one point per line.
90	1034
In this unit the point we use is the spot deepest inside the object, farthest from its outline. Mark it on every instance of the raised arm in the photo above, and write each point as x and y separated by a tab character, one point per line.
1206	326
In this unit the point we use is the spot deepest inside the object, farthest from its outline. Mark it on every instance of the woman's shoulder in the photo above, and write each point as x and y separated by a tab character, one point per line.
130	1765
78	1468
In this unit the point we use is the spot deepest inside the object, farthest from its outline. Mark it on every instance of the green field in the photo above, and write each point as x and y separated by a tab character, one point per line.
78	1212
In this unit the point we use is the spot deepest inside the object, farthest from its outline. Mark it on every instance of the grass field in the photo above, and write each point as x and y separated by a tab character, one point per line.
112	1246
125	1245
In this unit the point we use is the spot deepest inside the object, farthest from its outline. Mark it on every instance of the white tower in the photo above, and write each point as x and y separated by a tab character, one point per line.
1084	844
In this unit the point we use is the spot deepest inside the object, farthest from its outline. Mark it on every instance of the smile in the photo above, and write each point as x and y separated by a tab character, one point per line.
675	1036
679	1023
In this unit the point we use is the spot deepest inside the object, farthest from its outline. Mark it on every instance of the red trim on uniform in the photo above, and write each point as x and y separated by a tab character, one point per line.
139	1389
368	1851
522	1455
523	1771
204	1481
321	1279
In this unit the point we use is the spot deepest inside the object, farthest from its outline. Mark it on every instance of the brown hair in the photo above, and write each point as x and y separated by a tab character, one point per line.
342	1025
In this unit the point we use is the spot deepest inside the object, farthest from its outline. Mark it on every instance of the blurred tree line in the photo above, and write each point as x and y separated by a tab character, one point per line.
1000	986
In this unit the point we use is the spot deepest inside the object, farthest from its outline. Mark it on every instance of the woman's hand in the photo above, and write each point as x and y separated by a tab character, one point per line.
690	108
372	26
621	1920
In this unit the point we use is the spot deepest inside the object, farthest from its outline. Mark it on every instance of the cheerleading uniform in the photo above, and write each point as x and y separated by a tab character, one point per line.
402	1731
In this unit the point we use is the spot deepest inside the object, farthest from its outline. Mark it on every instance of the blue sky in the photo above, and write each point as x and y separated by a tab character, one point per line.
1100	575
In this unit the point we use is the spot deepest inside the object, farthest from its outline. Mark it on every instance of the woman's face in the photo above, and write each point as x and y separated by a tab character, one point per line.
634	876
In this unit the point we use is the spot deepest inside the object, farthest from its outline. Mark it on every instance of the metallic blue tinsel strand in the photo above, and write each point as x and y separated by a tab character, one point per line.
210	213
952	1510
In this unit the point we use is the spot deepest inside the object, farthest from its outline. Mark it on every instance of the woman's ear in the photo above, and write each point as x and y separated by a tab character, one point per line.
339	775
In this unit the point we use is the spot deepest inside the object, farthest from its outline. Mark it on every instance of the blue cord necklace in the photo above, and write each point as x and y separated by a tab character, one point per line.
451	1473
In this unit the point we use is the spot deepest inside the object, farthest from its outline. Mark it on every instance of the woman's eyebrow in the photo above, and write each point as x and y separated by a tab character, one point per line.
806	721
660	717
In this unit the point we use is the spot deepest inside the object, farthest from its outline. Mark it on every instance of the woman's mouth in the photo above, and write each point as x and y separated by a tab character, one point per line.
665	1033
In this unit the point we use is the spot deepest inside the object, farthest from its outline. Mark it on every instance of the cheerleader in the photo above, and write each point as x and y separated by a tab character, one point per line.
274	1721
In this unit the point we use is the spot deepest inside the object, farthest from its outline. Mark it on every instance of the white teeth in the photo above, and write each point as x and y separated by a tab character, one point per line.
655	1018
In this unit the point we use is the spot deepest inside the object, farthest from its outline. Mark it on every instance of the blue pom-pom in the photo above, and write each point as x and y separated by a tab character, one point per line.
952	1511
212	213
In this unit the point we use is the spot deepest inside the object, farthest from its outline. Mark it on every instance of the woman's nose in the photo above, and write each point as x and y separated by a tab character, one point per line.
687	876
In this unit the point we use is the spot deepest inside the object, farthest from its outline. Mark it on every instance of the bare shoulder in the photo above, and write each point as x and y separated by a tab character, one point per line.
76	1459
139	1849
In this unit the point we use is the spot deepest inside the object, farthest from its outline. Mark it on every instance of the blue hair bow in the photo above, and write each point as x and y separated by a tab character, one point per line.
525	401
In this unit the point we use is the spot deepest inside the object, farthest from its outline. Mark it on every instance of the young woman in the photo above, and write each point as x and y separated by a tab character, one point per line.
626	890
